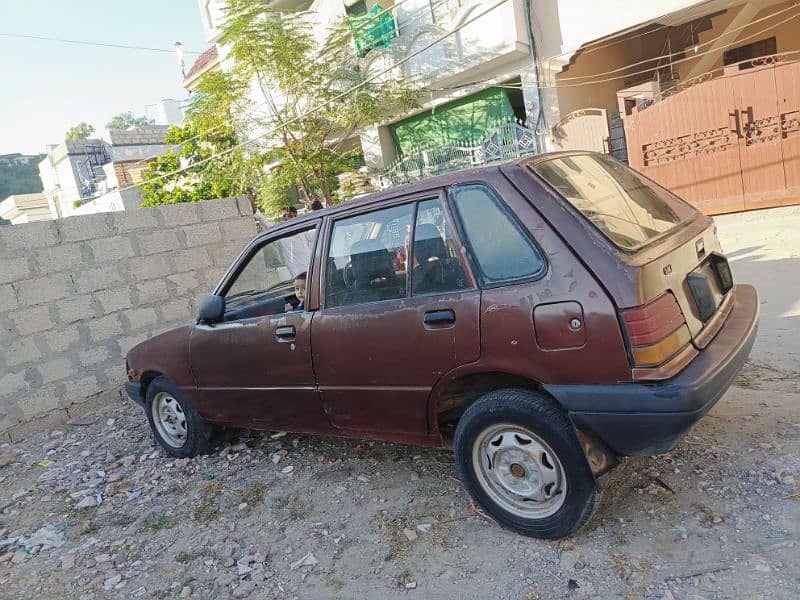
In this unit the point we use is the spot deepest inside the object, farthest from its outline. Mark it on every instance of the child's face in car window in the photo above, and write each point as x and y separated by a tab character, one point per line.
300	289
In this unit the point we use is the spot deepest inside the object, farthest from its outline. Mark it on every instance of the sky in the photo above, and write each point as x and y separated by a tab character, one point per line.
47	87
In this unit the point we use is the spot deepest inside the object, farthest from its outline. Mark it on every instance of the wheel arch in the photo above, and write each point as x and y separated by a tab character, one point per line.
146	378
451	398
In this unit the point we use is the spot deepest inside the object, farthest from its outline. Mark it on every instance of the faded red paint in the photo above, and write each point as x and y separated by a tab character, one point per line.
375	370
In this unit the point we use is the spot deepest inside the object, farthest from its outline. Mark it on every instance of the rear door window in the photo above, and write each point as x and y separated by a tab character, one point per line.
627	208
367	257
500	247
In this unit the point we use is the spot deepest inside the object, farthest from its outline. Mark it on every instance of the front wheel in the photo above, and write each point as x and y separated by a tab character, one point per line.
176	426
520	460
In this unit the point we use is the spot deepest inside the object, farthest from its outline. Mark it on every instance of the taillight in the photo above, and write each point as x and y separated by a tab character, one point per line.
656	330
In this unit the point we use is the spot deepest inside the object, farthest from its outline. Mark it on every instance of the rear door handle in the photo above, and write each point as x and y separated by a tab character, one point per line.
286	333
440	317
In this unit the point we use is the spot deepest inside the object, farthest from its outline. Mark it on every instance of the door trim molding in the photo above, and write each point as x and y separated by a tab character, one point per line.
376	388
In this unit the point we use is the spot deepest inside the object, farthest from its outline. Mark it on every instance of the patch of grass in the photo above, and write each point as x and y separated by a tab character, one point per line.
401	579
280	503
347	541
207	511
291	507
334	582
158	523
90	528
299	511
185	558
254	494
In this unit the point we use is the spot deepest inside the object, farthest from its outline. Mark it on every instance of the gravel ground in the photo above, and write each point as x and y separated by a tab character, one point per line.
96	510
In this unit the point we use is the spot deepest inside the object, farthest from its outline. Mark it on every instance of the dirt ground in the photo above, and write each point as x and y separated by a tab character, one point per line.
95	510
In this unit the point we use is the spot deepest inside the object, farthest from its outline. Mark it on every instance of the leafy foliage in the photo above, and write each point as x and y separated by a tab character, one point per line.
126	120
278	53
206	132
81	131
299	137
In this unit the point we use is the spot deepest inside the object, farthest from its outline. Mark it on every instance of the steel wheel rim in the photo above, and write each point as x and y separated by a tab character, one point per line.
519	471
169	419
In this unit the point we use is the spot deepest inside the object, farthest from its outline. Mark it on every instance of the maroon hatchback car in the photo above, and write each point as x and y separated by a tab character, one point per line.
542	317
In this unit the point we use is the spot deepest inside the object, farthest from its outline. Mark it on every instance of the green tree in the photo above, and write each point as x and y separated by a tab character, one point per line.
126	120
296	74
207	145
304	131
81	131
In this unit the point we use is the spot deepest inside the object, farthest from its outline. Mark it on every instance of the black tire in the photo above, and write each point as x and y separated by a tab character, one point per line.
198	431
543	417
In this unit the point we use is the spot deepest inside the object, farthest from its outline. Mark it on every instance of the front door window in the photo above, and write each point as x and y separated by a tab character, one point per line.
274	278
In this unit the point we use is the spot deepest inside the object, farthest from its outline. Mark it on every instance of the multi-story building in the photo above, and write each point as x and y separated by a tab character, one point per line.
207	62
702	97
92	175
529	75
472	59
165	112
17	159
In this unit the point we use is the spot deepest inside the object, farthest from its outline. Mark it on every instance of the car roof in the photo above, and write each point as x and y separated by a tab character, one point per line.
431	183
408	189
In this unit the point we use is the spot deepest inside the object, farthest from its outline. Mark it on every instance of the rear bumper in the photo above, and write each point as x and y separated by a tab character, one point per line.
134	391
650	418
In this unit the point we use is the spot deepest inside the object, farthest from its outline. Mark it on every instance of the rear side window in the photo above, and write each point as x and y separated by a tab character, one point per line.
627	208
502	250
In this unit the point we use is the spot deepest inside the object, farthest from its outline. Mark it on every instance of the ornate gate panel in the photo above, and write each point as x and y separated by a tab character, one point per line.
787	126
755	106
726	142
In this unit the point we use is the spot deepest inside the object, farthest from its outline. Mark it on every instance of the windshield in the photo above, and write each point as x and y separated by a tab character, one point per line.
627	208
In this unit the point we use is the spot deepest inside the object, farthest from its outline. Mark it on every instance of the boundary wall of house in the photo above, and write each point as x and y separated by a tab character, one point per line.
77	293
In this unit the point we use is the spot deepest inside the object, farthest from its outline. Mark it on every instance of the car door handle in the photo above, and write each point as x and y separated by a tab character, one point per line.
286	333
440	317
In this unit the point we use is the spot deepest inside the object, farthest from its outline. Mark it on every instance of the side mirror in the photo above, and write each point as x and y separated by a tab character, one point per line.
212	310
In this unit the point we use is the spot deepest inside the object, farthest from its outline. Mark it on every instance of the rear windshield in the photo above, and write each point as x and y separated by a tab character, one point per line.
627	208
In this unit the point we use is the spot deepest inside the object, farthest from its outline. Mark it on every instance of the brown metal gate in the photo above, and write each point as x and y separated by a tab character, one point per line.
728	141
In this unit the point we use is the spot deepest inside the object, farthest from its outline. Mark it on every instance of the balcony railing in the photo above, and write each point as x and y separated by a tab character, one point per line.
503	142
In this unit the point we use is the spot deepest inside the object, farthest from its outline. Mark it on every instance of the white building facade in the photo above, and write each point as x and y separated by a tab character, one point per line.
93	175
556	66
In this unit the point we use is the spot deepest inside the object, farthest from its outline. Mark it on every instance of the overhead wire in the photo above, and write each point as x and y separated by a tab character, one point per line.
683	60
693	56
327	102
28	36
510	86
724	34
594	46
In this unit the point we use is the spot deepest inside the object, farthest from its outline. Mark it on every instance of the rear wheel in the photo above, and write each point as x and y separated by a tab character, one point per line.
176	426
520	460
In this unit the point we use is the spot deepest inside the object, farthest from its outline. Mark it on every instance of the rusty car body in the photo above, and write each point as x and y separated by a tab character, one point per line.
617	329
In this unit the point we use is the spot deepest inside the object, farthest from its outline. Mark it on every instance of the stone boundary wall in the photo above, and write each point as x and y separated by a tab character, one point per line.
77	293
